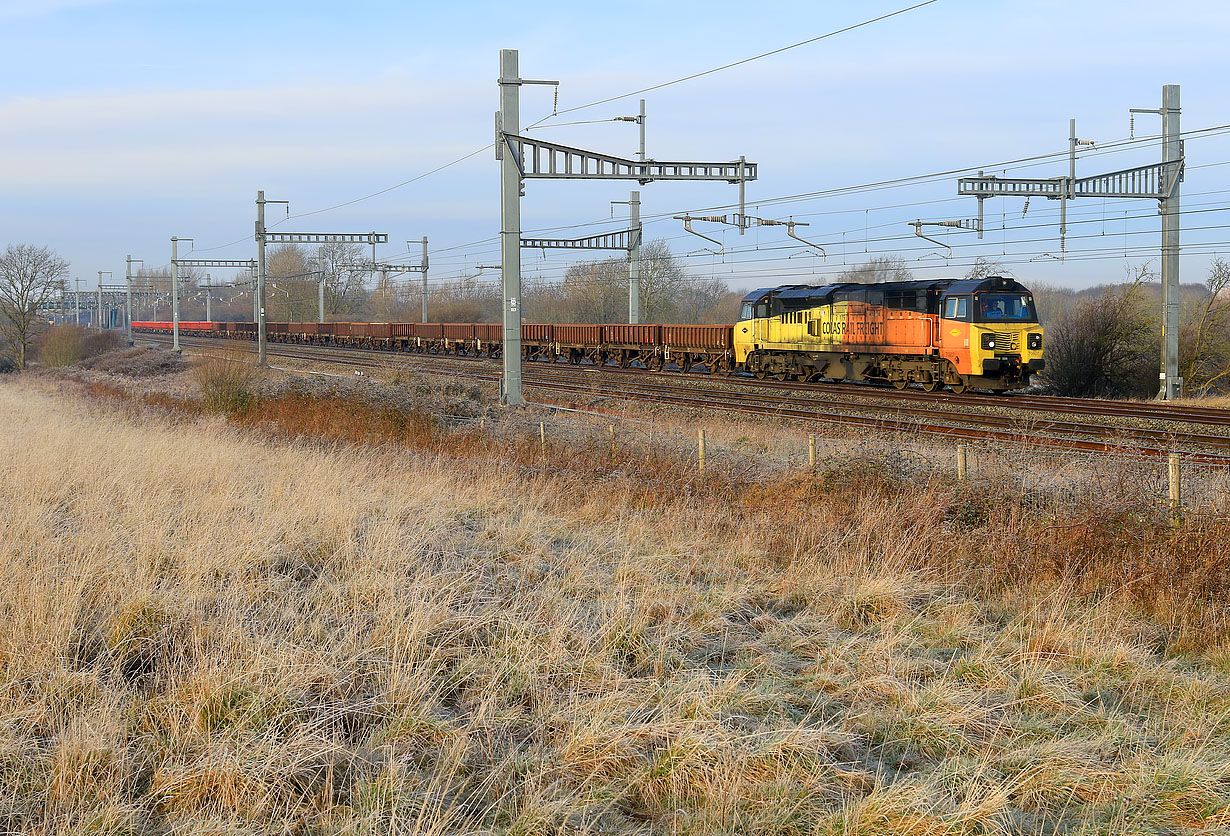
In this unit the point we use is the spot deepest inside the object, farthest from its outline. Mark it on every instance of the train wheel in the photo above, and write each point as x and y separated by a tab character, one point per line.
900	384
760	374
959	388
931	385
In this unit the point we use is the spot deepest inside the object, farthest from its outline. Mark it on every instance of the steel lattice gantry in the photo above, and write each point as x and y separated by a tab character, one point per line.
372	238
1157	181
524	158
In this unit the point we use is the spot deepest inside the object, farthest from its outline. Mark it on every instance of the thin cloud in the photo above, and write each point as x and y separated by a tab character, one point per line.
31	9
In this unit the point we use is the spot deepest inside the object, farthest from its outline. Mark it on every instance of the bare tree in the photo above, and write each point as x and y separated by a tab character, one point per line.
345	288
1105	345
469	299
663	281
985	268
290	293
882	268
1204	338
30	280
597	291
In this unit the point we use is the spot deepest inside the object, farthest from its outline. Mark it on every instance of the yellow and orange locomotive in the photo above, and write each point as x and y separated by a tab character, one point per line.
960	333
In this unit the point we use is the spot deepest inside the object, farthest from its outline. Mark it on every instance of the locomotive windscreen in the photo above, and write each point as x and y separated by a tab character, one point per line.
1004	307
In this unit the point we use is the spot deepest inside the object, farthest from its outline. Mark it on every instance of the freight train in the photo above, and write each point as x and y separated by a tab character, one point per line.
959	333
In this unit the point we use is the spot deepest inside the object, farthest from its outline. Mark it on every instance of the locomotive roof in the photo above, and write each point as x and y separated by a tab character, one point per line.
821	292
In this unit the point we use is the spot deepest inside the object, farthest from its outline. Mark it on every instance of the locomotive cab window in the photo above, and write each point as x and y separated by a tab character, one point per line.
957	307
748	311
1004	307
762	310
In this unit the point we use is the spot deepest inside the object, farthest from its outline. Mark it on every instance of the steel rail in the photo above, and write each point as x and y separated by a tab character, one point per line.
591	381
1022	401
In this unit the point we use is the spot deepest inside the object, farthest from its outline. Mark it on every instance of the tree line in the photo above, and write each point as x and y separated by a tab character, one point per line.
590	291
1100	341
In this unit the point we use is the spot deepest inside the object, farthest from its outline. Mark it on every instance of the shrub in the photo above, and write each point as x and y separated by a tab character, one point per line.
66	345
227	381
1104	347
141	361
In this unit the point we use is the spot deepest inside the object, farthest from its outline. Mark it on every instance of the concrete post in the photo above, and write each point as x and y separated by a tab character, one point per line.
634	258
423	265
1176	490
128	297
1172	149
260	277
510	225
641	122
175	294
320	290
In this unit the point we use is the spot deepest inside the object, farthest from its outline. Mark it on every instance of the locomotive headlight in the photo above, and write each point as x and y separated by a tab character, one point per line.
988	341
1034	341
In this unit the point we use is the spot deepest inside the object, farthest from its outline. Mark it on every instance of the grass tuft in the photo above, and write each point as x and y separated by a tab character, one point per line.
227	381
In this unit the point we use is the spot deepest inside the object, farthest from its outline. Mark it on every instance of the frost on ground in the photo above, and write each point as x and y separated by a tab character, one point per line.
210	630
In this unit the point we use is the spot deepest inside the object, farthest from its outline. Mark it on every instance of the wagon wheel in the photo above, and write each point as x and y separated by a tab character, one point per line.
900	384
624	360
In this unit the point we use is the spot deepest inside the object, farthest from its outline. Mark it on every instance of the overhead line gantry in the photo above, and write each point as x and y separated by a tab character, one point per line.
524	158
1157	181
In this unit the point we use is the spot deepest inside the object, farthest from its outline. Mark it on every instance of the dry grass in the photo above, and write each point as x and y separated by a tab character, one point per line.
66	345
446	631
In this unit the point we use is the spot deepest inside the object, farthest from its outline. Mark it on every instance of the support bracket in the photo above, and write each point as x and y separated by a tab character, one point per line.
624	239
539	159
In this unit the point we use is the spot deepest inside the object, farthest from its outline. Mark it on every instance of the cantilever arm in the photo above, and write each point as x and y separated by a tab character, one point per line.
790	225
687	225
918	231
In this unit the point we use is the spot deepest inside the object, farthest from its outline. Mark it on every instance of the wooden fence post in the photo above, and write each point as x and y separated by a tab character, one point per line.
962	468
700	442
1176	490
811	450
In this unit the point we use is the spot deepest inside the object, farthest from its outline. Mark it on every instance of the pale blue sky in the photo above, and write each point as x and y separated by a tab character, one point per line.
124	122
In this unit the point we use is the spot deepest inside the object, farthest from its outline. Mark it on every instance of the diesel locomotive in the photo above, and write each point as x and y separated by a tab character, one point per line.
959	333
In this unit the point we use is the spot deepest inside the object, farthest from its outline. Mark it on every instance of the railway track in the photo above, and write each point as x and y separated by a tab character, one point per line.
1085	407
854	406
